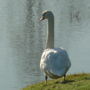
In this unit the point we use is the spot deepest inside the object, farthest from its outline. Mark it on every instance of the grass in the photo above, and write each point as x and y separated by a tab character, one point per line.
73	82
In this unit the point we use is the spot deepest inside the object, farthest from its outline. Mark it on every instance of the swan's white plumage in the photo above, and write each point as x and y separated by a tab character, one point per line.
55	62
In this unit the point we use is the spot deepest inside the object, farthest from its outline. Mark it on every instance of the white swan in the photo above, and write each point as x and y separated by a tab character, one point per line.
54	61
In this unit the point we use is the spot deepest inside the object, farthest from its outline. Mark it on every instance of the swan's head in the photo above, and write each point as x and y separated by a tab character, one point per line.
46	15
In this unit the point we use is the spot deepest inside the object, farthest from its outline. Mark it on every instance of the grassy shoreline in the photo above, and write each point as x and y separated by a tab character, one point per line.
73	82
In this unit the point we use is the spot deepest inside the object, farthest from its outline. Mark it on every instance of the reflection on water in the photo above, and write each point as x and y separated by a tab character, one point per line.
22	38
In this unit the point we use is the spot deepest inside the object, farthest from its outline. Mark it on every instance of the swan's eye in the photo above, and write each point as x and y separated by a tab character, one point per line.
44	15
42	18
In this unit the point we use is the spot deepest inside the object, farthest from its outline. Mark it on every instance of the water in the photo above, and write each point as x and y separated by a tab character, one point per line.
22	38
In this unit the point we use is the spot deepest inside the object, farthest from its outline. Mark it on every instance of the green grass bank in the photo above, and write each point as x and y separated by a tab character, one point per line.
73	82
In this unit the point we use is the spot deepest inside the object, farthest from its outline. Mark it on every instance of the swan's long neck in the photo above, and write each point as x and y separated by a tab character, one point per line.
50	38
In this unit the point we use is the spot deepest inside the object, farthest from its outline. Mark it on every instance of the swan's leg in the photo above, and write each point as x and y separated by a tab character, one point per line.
64	77
46	78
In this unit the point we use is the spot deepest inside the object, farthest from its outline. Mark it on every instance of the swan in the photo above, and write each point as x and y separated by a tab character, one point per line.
54	62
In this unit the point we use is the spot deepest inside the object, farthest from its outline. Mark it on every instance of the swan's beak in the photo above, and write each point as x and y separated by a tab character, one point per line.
42	18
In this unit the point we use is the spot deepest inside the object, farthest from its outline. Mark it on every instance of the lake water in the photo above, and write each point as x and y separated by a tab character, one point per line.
23	37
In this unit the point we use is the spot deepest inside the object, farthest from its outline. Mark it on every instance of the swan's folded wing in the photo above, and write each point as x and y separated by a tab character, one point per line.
58	62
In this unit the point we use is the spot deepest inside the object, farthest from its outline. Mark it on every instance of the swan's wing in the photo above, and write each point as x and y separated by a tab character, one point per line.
56	61
60	62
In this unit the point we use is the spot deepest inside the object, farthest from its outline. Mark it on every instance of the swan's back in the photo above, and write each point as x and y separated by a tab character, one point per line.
55	62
